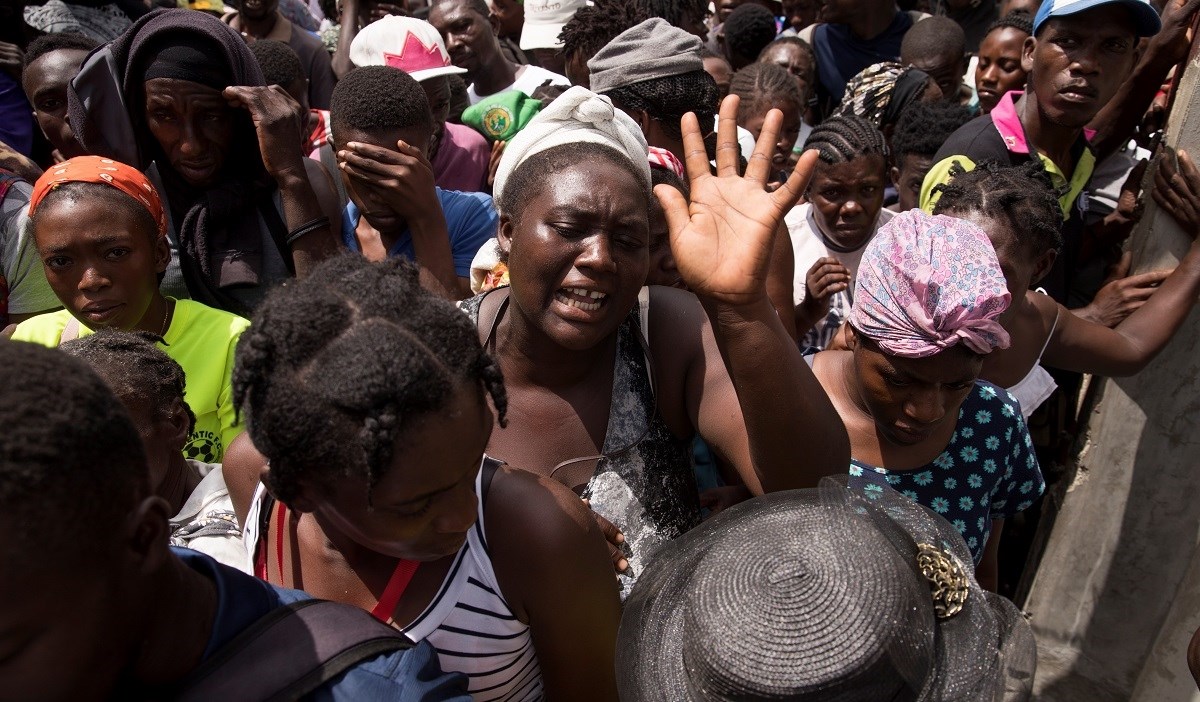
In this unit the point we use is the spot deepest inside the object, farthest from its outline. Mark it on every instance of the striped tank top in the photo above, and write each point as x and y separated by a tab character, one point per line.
468	621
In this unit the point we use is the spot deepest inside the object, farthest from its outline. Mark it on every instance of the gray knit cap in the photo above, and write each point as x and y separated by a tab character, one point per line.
652	49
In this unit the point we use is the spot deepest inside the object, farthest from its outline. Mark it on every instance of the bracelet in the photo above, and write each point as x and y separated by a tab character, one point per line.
307	228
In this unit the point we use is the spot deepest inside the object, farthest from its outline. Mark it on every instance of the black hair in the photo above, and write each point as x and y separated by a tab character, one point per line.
1022	195
76	191
678	13
136	370
279	62
378	98
762	85
932	37
48	43
336	365
843	138
797	42
538	171
1019	20
594	26
923	127
749	28
669	98
72	465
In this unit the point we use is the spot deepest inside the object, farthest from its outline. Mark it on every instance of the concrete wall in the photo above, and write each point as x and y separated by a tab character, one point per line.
1117	595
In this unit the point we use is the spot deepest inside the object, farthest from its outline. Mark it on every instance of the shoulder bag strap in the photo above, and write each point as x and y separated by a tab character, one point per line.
290	652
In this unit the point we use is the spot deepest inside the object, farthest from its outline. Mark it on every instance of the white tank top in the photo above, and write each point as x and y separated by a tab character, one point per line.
468	621
1038	385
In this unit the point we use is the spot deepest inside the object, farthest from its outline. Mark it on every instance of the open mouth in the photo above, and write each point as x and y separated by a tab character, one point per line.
581	298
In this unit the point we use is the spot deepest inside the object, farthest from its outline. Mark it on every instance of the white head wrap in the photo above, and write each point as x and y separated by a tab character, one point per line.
576	116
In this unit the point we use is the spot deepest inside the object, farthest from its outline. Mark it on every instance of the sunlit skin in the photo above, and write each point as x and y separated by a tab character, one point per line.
468	36
793	118
795	60
103	261
721	72
193	125
508	16
45	81
847	198
999	69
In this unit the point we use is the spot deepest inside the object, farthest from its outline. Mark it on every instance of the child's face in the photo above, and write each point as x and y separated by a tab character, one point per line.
908	178
793	117
100	260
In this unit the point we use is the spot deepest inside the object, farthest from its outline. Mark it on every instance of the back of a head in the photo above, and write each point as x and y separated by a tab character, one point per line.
378	98
71	463
279	62
843	138
748	30
924	126
1023	196
932	37
680	13
337	364
762	84
595	25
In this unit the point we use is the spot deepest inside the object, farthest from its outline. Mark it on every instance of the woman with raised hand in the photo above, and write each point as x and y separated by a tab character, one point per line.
607	386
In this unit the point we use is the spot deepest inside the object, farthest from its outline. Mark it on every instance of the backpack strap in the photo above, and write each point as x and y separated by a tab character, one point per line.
291	651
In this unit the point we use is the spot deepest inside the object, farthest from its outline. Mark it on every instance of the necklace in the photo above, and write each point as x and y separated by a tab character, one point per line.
166	317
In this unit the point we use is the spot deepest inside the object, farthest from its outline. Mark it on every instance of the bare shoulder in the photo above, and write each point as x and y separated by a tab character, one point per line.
243	468
522	506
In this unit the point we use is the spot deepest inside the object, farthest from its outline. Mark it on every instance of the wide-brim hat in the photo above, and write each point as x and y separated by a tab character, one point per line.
407	43
821	594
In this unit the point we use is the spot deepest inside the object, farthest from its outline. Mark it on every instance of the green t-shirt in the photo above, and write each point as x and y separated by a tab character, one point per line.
201	340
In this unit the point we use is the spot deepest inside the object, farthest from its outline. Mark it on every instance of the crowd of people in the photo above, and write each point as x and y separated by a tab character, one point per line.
637	349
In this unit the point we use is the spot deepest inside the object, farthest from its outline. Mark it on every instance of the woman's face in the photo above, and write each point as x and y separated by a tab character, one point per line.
578	251
911	398
793	117
425	503
194	126
999	69
100	260
847	198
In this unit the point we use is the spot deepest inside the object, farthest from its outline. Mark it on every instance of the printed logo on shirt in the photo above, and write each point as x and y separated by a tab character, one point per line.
203	446
496	121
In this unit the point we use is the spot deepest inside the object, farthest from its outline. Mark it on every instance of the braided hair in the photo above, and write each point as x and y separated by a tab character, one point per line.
137	371
762	86
593	26
1024	196
843	138
923	127
1018	20
678	13
337	364
669	98
72	466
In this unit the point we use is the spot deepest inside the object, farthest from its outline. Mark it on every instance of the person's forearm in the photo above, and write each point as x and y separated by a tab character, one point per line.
346	33
300	207
1115	122
796	437
1150	328
431	246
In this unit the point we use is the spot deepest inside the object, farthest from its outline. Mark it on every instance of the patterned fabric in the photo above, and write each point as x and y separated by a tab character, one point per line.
988	470
881	92
928	282
105	171
102	23
665	159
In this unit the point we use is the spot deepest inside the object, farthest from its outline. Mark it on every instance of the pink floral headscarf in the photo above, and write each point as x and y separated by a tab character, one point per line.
927	283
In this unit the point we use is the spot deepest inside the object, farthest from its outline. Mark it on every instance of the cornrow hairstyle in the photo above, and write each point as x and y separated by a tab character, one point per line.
843	138
931	38
749	28
378	98
762	86
678	13
72	465
669	98
538	172
1019	20
338	364
137	371
279	62
1024	196
594	26
923	128
57	42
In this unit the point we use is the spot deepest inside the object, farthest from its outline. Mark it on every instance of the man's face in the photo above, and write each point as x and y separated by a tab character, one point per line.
45	82
946	70
1078	62
468	36
372	203
258	9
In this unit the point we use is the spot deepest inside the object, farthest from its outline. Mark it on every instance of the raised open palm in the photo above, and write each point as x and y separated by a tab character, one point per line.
722	238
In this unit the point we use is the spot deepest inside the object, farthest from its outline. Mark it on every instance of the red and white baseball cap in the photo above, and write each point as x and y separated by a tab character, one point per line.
407	43
544	21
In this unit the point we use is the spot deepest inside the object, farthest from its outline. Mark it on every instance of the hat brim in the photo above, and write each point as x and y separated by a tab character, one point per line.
1146	22
435	72
541	36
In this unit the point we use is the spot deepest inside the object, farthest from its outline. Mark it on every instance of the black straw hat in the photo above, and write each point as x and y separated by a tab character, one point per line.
821	594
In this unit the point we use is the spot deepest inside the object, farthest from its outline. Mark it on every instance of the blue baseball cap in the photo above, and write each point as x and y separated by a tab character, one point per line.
1145	19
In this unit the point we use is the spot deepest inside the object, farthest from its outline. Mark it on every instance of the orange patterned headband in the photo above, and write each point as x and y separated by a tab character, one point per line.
105	171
